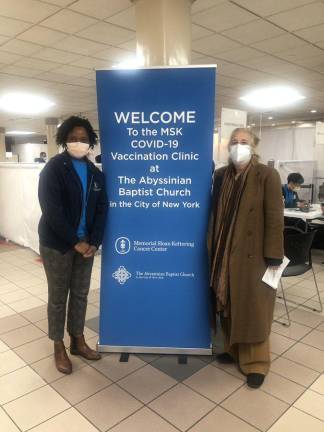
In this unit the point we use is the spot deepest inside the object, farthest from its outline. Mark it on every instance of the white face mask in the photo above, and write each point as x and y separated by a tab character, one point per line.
240	154
78	149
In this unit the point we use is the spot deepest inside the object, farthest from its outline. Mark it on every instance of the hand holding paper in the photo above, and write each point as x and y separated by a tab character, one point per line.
272	276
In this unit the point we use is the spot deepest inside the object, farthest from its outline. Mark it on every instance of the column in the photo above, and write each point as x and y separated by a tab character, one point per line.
163	31
51	129
2	144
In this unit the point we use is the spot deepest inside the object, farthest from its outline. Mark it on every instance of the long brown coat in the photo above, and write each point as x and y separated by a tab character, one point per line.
258	234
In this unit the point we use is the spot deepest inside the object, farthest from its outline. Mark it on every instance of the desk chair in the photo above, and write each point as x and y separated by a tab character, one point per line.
297	247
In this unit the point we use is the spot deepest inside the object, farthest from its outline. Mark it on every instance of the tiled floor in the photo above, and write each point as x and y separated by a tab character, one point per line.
150	393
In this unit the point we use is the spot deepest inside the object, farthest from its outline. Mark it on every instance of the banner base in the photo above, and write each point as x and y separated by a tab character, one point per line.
153	350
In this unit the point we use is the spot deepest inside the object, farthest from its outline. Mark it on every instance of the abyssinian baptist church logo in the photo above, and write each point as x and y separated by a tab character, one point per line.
121	275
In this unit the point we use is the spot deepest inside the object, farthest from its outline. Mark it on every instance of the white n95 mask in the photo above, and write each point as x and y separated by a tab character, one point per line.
78	149
240	153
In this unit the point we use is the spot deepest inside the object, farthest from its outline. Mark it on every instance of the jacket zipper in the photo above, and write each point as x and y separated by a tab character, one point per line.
81	190
89	189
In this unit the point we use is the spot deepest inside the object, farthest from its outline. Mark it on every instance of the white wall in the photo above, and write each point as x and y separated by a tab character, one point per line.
29	151
287	144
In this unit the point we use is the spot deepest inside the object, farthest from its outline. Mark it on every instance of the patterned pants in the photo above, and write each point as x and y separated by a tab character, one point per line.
67	275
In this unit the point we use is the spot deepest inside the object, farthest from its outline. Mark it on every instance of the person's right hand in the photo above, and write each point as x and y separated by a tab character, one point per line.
82	247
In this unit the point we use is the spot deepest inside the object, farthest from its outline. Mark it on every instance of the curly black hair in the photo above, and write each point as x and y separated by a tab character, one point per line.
69	124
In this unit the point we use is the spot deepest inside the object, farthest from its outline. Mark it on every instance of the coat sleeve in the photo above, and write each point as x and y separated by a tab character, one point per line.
98	228
50	200
273	217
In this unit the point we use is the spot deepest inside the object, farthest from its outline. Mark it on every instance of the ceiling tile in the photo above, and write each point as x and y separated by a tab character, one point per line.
78	45
302	52
129	45
68	21
237	71
265	63
312	34
31	10
42	35
270	7
279	43
100	8
92	75
125	18
197	55
92	63
73	70
62	3
214	44
20	47
240	54
229	81
311	62
204	60
55	76
113	53
107	33
200	5
20	71
32	63
198	32
320	44
84	82
4	39
302	17
9	58
222	17
56	55
11	27
255	31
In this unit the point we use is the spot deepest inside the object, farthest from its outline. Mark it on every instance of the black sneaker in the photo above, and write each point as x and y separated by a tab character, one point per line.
255	380
225	358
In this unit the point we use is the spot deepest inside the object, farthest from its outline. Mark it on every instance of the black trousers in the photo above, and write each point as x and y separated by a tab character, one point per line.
68	278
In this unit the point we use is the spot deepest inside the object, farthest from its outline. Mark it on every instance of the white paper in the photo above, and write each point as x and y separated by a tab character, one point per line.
272	277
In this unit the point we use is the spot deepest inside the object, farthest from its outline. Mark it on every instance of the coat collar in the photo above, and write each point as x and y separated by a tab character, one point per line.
67	160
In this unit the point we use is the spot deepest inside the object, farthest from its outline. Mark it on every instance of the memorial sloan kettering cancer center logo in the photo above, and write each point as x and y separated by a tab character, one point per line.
121	275
122	245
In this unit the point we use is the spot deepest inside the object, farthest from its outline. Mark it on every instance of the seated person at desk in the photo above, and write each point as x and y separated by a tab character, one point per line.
42	158
289	191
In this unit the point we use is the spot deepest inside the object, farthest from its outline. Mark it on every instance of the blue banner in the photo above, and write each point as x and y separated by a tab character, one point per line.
156	134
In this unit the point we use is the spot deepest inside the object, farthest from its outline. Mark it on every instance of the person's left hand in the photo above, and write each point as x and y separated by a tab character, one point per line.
90	252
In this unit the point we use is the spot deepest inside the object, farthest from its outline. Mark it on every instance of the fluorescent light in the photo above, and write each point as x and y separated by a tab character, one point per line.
17	132
24	103
273	124
272	97
293	122
305	125
313	111
252	124
270	118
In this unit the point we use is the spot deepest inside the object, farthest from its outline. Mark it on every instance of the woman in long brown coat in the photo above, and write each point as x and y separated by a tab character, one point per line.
246	237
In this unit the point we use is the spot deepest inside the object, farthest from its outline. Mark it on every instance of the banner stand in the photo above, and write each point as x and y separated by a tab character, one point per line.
154	350
156	134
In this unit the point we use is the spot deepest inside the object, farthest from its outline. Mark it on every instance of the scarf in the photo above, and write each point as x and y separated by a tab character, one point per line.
226	213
